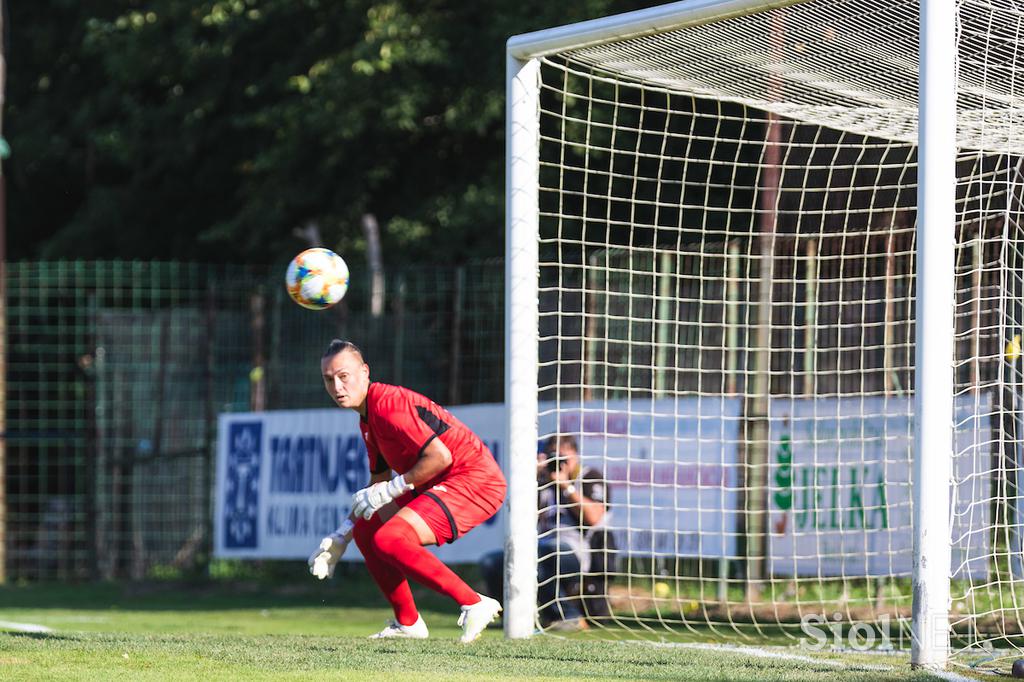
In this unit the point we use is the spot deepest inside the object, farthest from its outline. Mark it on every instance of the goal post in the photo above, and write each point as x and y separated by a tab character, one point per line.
933	397
521	239
763	266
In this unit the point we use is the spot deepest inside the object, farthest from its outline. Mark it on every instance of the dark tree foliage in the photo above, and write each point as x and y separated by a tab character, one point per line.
211	130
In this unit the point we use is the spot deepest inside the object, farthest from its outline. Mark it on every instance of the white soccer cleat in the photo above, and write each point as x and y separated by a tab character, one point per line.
476	617
417	630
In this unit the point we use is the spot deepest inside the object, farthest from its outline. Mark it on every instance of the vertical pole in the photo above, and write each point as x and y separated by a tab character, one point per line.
371	232
455	354
590	334
976	314
759	397
811	318
398	358
3	311
257	383
522	231
88	364
888	364
664	317
732	345
210	428
933	386
732	317
889	381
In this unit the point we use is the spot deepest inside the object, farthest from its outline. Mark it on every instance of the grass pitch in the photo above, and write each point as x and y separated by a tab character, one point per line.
307	629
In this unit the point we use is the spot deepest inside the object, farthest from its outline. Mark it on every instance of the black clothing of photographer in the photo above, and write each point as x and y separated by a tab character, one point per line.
575	551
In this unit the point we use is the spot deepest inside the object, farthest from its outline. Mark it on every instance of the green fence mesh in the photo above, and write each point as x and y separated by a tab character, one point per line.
116	372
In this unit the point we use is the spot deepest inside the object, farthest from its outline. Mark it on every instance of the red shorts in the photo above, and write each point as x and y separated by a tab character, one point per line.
458	503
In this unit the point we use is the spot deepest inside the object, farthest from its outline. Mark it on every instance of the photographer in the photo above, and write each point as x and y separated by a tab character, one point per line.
572	505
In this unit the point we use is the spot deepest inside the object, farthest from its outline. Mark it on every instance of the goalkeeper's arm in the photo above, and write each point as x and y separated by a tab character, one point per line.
324	558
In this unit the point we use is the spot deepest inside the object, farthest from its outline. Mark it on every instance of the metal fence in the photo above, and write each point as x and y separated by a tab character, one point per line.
116	372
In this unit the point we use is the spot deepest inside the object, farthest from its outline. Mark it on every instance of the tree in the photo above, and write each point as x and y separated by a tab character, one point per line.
211	130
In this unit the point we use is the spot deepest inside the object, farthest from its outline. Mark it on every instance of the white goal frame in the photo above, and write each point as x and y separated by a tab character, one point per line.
933	441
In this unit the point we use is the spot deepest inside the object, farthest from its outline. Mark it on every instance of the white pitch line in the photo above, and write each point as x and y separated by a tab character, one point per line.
952	677
23	627
765	653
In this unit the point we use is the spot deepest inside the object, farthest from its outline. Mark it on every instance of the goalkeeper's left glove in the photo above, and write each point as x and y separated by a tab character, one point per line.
368	500
324	558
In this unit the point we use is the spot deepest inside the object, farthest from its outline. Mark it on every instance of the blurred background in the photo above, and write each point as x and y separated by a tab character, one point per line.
164	160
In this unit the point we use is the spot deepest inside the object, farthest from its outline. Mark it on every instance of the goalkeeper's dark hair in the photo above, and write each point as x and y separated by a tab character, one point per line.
337	346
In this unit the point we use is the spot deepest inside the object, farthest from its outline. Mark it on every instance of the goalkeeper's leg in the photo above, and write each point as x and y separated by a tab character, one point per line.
390	580
401	546
401	541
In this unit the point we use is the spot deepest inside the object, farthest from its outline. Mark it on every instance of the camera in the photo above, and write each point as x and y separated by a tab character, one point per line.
554	463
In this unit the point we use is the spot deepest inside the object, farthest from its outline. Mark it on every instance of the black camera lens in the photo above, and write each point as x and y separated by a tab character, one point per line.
553	464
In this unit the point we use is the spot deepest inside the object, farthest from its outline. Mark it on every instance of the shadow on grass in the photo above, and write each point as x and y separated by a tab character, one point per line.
36	635
350	588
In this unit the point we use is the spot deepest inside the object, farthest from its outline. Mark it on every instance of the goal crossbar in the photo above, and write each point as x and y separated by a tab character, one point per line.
643	22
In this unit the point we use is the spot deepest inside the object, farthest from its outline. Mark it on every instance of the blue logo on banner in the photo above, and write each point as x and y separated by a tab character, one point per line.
242	492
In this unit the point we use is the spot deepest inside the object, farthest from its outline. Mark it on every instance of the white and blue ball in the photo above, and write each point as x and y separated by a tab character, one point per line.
317	278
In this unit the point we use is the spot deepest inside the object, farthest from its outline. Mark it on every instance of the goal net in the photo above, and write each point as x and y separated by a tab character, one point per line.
724	263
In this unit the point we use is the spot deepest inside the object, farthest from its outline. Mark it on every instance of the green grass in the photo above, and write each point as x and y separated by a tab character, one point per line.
260	631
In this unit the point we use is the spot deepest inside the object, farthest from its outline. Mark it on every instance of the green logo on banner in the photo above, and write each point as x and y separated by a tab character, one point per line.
784	474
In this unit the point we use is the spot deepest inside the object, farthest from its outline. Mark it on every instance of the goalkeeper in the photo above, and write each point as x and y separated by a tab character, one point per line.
432	480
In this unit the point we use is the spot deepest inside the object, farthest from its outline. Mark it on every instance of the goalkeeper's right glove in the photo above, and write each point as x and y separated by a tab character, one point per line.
324	558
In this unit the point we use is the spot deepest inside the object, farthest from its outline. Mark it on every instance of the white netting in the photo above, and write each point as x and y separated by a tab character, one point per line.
846	64
727	273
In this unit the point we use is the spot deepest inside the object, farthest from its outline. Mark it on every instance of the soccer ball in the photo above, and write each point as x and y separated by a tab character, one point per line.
317	278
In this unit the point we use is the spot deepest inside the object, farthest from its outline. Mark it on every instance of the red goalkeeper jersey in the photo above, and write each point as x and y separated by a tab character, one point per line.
400	423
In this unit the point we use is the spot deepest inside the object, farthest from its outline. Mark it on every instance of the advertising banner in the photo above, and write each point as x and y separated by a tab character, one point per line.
285	479
671	466
840	486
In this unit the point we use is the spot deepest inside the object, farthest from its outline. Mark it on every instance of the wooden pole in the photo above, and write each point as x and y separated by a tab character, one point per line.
758	397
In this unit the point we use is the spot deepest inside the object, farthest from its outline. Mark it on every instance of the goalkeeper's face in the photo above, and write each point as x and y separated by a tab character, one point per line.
346	378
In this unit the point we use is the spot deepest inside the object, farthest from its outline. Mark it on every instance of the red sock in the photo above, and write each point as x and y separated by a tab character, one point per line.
389	579
397	543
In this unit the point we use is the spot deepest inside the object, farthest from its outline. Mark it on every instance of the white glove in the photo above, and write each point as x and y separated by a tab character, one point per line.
368	500
324	558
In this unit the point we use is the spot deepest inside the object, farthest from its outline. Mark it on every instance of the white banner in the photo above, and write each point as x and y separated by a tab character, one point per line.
840	486
285	479
671	466
839	481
